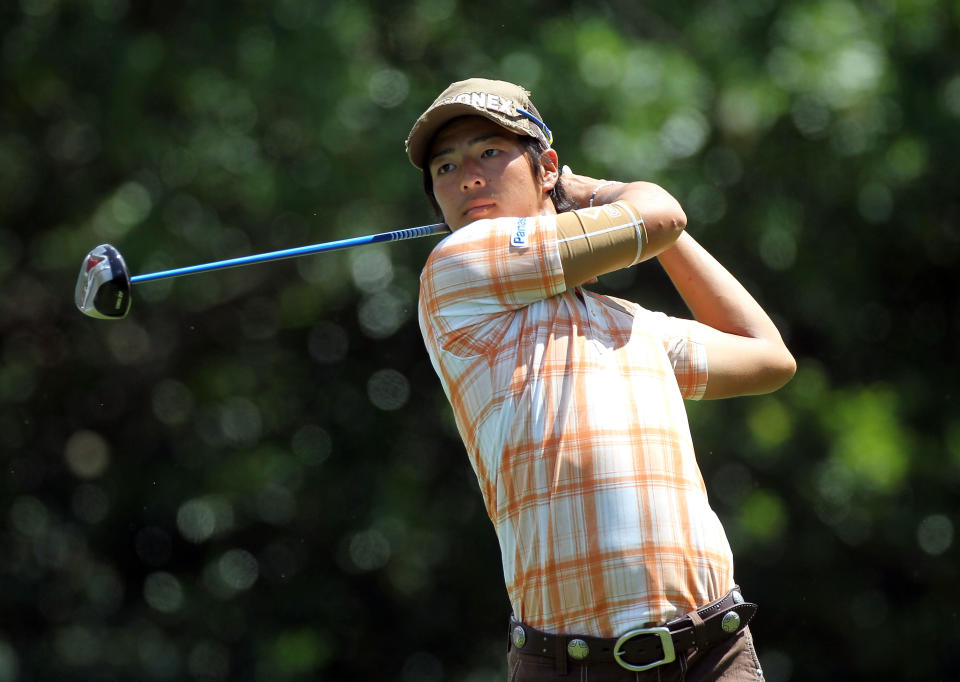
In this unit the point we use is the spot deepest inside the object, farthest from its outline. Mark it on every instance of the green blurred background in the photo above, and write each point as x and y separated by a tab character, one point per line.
255	476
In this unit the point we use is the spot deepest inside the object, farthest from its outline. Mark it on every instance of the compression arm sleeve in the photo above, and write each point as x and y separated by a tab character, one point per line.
595	241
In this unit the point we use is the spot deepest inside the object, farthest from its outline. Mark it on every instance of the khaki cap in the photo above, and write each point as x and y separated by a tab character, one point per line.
503	103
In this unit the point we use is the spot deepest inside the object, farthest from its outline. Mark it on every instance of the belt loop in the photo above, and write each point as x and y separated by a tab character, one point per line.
698	629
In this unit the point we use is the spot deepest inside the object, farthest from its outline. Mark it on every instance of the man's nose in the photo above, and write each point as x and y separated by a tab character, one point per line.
473	176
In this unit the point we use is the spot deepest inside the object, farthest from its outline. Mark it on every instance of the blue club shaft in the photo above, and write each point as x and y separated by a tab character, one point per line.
395	236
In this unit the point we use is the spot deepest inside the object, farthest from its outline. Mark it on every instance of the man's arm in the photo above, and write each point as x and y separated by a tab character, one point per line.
745	353
662	215
647	221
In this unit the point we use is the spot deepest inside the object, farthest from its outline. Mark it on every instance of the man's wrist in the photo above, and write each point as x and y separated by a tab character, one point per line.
596	199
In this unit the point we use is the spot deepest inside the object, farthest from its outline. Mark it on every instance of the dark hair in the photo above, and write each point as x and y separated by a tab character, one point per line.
534	149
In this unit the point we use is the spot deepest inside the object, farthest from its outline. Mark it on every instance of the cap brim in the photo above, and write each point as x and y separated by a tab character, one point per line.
426	128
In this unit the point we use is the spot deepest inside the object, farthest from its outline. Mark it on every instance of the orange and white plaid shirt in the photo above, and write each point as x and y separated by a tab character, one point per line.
570	406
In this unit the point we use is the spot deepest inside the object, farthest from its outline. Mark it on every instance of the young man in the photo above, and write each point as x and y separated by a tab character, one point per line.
570	404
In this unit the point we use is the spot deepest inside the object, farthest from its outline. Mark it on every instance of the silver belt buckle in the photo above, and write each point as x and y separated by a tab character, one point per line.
669	655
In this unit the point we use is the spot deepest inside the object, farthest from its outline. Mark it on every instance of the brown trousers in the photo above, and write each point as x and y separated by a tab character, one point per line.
734	660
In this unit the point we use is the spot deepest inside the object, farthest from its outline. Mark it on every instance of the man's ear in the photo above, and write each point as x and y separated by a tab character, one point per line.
550	169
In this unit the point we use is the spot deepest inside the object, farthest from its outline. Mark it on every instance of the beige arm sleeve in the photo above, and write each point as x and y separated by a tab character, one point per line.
598	240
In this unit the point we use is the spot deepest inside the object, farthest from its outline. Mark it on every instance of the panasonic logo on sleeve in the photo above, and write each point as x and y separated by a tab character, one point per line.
519	238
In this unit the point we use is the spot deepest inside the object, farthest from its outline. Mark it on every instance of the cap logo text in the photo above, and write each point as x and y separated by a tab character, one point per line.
482	100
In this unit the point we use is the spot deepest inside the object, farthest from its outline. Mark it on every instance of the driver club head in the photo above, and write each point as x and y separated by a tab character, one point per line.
103	287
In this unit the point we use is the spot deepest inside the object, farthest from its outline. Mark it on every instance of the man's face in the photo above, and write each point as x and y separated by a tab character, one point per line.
480	170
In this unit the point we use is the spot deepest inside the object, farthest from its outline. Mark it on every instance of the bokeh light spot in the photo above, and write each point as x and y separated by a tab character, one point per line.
372	269
29	516
935	534
778	248
131	204
200	518
369	550
240	421
763	515
238	569
128	342
312	444
388	88
300	651
87	454
388	389
163	592
381	314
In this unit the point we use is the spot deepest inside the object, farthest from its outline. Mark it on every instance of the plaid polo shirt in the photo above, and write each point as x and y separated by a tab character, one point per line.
570	405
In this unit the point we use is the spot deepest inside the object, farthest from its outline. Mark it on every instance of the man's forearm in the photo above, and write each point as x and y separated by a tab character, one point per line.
714	296
662	214
749	355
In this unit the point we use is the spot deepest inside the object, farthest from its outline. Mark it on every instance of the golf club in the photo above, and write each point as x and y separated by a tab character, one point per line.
103	286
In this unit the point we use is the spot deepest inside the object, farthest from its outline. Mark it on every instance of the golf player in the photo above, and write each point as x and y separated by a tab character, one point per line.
570	403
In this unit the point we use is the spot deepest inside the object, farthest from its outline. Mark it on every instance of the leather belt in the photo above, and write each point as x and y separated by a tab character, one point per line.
641	648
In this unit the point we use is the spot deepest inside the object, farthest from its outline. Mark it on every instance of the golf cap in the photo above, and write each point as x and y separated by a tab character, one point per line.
503	103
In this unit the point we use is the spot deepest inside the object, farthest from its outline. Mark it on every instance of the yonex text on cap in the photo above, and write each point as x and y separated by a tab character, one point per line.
503	103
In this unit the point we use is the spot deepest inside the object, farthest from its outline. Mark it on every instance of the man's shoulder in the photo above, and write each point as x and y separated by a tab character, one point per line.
624	306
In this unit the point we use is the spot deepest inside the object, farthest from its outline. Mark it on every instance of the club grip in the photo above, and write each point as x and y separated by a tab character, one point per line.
413	232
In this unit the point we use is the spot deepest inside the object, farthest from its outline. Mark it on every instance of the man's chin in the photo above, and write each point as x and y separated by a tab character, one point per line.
469	220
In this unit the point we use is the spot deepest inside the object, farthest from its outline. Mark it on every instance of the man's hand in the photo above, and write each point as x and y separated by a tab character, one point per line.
579	187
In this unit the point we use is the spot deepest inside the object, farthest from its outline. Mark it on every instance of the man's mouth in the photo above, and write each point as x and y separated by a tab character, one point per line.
478	208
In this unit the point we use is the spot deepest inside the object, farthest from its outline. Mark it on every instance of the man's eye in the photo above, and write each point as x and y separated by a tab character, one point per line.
444	168
489	152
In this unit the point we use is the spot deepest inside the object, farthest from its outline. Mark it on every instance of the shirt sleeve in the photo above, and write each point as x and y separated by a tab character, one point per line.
683	341
595	241
482	271
684	345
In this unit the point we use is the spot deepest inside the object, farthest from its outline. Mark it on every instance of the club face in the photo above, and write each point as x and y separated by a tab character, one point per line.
103	286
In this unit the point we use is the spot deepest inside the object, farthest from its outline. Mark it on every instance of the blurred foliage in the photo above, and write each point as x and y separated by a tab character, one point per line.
255	476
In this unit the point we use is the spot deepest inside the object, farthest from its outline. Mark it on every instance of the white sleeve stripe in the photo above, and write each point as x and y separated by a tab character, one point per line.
590	234
638	228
